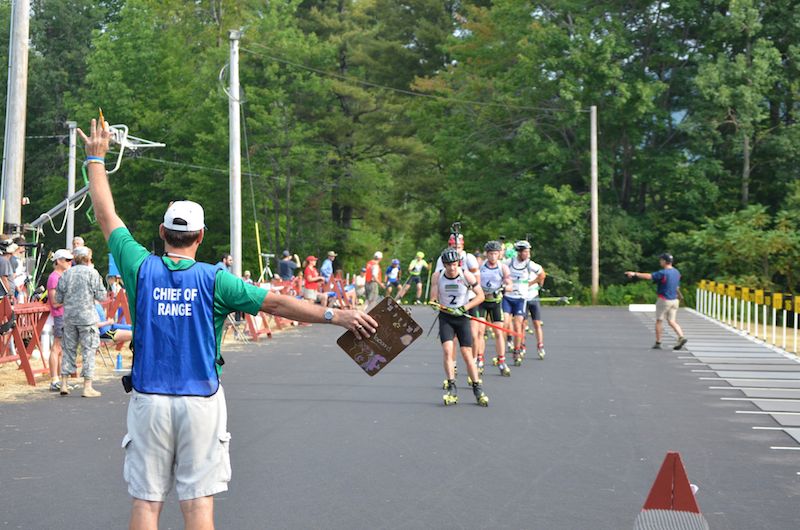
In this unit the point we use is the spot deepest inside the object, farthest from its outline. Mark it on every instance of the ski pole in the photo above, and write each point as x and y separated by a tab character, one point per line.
400	290
480	321
435	320
428	286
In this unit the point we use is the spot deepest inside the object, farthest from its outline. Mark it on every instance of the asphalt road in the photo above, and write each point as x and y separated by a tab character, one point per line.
572	442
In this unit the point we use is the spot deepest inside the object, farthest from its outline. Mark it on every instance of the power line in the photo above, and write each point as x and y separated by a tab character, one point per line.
220	170
355	80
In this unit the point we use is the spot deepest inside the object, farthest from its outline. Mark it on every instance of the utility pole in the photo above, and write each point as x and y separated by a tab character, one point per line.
71	182
235	154
595	206
17	95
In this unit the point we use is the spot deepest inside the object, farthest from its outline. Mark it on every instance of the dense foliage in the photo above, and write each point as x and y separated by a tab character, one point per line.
374	124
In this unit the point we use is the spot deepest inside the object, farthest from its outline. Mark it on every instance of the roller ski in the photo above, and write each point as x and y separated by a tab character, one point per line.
450	397
540	351
479	364
505	371
480	397
518	357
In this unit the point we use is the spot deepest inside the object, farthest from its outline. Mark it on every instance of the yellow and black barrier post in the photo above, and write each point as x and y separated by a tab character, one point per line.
767	304
787	307
746	299
759	301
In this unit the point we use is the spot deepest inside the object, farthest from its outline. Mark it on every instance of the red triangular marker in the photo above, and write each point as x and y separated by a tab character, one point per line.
671	490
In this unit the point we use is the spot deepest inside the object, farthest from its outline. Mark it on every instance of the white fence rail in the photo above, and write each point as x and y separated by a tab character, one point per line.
770	317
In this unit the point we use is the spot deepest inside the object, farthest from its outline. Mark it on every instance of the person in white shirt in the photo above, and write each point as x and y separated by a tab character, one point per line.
524	275
450	290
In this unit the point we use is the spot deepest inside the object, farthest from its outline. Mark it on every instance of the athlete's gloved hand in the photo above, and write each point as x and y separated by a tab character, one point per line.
458	311
434	305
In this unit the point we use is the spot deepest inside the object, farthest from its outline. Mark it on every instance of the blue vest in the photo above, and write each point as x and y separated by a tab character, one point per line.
175	344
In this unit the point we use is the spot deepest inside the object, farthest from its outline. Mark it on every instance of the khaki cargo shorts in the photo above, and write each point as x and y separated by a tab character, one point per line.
180	440
667	308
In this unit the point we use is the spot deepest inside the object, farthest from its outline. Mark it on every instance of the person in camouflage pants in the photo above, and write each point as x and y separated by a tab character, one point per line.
78	289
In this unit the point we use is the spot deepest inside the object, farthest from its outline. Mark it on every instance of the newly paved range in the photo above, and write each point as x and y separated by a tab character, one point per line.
571	442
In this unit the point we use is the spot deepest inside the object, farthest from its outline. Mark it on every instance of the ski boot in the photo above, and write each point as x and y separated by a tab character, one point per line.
450	397
518	357
480	397
479	364
504	369
495	361
540	351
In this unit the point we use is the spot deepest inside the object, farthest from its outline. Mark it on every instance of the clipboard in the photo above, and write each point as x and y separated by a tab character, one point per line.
396	331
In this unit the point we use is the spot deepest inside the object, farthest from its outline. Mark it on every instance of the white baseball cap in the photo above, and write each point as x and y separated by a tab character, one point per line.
62	253
379	255
184	216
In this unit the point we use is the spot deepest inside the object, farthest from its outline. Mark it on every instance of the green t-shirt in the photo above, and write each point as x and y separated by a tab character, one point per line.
230	293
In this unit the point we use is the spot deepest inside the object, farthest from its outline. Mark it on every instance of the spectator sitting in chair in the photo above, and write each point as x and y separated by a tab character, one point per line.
119	333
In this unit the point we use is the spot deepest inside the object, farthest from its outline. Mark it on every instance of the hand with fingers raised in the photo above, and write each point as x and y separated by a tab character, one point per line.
97	143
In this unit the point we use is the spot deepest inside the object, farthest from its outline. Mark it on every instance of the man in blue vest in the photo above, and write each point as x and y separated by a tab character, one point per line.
177	416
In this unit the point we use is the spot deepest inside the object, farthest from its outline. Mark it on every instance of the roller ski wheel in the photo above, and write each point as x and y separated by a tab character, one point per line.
541	352
505	371
495	361
480	397
450	397
444	384
517	358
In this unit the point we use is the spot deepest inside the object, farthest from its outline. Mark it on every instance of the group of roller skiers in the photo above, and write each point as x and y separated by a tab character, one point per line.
499	292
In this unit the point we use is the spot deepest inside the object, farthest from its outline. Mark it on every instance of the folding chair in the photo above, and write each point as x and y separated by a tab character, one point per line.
104	352
238	329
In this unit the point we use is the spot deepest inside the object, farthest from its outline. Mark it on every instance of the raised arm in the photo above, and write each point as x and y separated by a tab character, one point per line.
96	145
